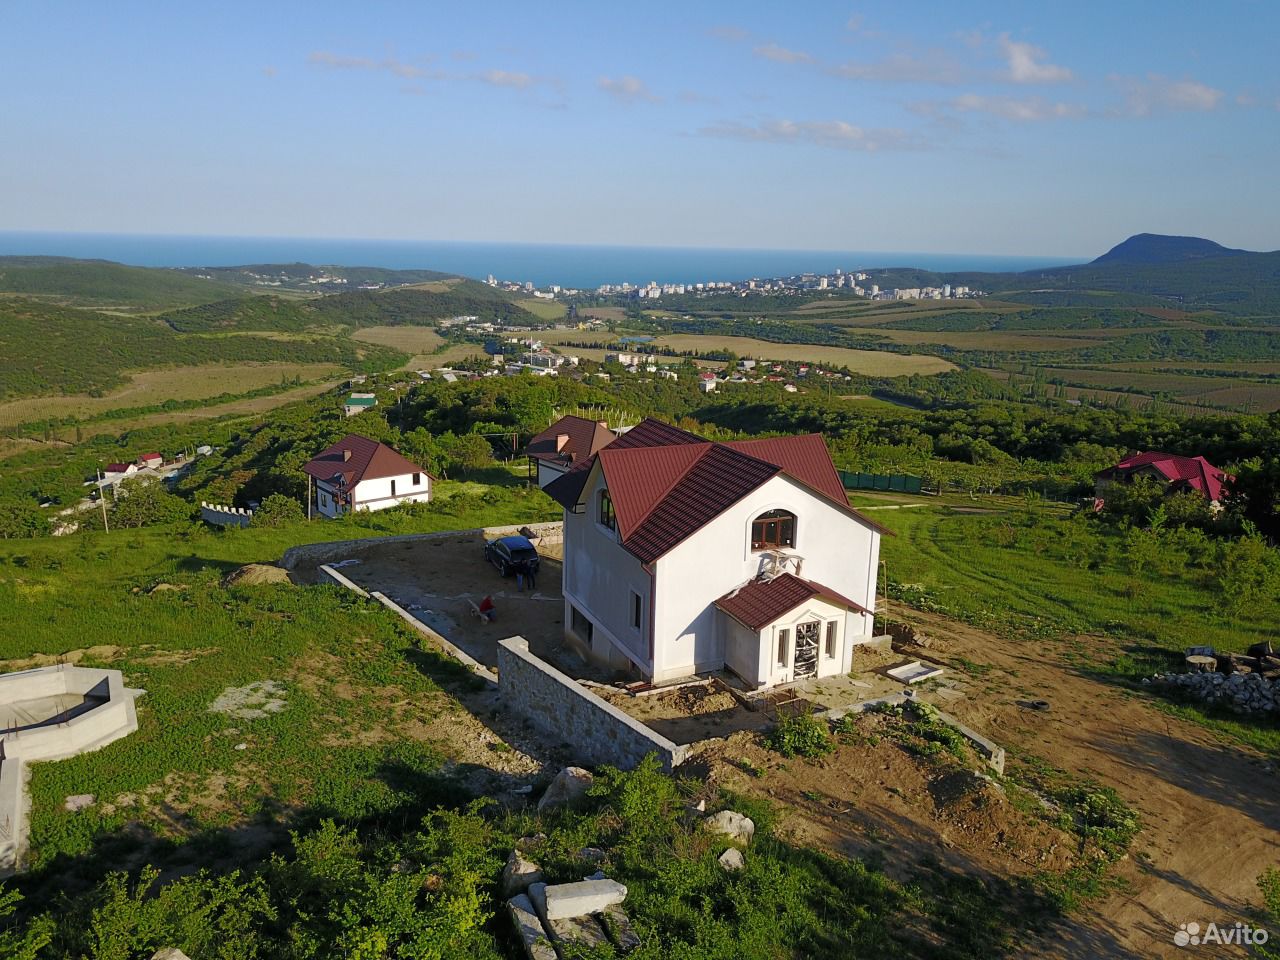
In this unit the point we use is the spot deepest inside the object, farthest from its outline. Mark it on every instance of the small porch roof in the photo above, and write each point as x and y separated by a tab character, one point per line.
760	602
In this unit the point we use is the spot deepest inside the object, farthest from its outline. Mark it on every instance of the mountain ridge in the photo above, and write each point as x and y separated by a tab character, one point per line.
1152	248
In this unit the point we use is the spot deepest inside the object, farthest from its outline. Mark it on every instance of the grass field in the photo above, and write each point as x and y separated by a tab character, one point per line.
992	340
247	407
362	700
157	386
1108	382
607	314
543	309
421	343
412	340
870	362
860	361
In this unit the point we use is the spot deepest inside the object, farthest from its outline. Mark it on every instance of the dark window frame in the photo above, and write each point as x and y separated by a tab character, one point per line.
606	516
773	530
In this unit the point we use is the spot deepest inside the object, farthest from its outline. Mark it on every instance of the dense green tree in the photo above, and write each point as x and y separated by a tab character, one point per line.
141	503
278	510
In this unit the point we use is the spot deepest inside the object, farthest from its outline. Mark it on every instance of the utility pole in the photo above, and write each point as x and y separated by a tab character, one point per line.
308	496
102	501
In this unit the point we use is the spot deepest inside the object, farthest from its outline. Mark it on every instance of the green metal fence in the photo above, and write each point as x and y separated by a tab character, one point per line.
891	482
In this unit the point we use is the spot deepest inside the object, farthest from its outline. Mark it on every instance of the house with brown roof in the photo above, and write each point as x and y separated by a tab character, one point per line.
568	441
357	473
683	556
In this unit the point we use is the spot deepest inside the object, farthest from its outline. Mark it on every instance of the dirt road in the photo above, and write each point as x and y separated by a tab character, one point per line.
1210	809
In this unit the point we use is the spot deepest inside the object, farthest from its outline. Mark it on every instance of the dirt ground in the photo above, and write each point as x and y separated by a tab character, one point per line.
1210	809
439	580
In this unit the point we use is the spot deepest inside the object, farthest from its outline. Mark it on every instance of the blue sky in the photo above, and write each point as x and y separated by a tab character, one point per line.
1054	129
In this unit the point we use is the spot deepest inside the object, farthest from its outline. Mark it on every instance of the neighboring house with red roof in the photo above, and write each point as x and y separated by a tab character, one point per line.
683	556
567	442
357	473
153	460
1178	474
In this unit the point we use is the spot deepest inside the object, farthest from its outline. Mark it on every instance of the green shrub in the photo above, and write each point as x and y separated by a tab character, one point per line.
801	736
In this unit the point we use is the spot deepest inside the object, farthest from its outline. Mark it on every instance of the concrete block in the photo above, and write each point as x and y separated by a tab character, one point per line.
566	900
537	894
569	786
518	874
584	933
732	860
733	825
537	946
618	926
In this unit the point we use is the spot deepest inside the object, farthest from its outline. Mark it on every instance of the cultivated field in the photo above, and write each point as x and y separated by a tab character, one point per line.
990	340
250	406
421	343
544	309
412	340
156	386
607	314
871	362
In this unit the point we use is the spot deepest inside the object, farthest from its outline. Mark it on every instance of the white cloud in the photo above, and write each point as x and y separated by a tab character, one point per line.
771	51
835	134
1028	63
628	89
335	61
936	67
1155	93
507	78
729	33
1017	109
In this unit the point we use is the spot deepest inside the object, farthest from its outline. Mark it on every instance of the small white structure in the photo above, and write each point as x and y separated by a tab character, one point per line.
683	556
359	403
48	714
357	473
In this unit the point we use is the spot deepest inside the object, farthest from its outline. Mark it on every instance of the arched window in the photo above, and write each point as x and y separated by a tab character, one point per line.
776	528
606	516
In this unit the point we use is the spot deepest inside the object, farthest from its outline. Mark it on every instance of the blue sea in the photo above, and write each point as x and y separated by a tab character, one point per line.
569	265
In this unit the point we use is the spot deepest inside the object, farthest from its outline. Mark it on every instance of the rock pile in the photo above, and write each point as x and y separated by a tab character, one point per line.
1239	692
564	919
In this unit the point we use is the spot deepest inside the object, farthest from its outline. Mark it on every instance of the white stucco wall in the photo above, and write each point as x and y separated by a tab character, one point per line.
375	494
548	472
837	551
600	576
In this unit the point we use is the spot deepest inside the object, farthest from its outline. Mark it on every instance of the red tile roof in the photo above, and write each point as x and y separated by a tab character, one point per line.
666	483
368	460
760	602
1197	473
805	457
718	479
585	437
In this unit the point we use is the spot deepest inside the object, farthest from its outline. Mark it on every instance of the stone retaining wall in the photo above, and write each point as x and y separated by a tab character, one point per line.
597	732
